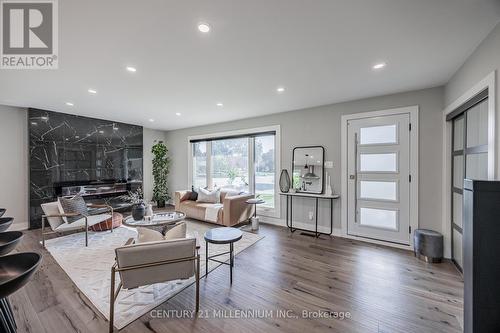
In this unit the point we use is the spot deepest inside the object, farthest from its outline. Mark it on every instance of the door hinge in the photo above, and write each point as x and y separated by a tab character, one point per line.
409	126
409	229
409	178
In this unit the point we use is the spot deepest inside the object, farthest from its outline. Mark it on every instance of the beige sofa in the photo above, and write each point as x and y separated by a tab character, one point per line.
234	209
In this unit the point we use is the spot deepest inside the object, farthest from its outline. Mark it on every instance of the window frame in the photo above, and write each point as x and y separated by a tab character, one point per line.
263	211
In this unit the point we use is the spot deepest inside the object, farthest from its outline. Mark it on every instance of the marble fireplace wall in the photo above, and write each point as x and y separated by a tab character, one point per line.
65	147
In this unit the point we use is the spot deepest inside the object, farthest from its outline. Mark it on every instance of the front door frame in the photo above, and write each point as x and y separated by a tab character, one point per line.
413	112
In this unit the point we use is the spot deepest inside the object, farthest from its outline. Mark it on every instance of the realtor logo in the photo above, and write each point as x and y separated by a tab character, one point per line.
29	34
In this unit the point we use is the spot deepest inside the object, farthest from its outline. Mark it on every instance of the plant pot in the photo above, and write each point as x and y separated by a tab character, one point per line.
138	211
160	204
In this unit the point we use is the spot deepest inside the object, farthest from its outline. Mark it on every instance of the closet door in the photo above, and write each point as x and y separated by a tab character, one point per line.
469	160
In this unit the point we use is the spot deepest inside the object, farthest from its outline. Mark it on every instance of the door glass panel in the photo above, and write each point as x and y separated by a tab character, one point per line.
458	134
199	164
457	209
378	190
264	169
386	162
379	218
378	135
230	164
458	171
477	166
457	247
477	125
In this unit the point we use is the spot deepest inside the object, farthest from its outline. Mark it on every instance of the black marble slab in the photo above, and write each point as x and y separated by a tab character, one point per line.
65	148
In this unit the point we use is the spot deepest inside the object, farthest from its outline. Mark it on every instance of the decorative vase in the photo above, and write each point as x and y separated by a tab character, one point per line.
329	190
284	181
138	211
149	210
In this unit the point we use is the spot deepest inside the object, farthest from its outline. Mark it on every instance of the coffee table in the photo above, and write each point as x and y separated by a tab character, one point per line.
159	222
225	235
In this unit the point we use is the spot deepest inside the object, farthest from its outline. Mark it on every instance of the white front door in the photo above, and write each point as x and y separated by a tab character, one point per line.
379	178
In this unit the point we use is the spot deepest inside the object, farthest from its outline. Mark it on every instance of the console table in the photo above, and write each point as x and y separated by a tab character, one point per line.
316	197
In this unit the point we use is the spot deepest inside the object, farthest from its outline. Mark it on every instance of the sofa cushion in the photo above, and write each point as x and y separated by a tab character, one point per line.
193	195
178	231
196	210
145	235
75	204
52	208
80	223
208	196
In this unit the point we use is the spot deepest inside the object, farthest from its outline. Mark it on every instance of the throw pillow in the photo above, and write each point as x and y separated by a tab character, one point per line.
148	235
75	204
193	196
145	235
208	196
231	193
178	231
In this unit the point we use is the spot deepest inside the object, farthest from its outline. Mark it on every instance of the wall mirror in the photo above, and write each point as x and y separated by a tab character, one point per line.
308	169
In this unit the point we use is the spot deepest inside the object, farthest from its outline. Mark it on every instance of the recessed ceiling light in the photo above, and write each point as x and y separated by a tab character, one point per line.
131	69
379	65
92	91
280	89
151	120
69	104
177	114
220	105
203	27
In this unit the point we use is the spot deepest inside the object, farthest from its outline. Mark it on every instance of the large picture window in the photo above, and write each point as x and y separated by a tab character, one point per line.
244	162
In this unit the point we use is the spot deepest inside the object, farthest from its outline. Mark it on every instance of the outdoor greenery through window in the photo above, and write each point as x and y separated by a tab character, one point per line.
243	164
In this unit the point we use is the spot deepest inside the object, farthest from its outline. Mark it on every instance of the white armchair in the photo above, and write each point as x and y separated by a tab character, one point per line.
154	262
58	225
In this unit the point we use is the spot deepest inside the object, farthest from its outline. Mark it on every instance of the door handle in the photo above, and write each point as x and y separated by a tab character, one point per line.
355	177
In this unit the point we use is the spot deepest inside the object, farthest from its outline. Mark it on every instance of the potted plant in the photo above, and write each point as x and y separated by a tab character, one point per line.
160	172
136	198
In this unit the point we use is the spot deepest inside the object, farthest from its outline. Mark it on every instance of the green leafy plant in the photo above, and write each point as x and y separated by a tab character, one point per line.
161	164
231	174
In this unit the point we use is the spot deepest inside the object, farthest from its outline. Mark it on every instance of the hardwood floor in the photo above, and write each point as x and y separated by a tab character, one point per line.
383	289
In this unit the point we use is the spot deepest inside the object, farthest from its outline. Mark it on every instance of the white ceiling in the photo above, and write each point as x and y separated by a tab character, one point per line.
321	51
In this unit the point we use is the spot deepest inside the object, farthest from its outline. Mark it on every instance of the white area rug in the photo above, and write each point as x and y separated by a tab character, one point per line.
90	269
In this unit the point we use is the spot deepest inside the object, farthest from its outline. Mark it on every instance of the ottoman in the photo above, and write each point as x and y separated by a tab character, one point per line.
113	222
428	245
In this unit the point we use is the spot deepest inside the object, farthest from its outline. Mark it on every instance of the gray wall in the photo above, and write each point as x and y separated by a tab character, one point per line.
321	125
14	165
484	60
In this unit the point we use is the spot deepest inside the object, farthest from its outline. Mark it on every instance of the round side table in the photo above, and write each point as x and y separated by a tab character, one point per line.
224	235
255	219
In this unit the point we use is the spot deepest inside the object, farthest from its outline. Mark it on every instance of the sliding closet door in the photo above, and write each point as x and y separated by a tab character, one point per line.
469	160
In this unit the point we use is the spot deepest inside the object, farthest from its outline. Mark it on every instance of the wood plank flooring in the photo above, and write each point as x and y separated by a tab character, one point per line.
383	289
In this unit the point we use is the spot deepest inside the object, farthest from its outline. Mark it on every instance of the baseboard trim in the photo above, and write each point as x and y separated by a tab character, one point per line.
336	232
19	226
